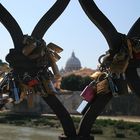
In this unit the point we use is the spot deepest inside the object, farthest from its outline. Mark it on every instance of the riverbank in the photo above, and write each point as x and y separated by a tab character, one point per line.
124	118
11	132
104	127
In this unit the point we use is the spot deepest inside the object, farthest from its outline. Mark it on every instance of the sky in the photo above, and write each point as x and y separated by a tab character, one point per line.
73	31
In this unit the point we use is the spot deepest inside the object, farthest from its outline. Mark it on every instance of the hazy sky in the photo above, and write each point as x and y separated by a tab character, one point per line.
72	31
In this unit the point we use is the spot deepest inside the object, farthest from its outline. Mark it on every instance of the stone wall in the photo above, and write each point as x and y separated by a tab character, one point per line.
123	105
70	100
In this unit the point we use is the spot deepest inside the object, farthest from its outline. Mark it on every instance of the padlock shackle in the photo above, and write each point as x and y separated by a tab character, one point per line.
49	18
12	26
110	33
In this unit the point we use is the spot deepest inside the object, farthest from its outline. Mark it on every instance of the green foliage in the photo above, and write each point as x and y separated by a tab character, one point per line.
1	62
120	124
96	129
84	82
76	119
105	122
120	134
75	82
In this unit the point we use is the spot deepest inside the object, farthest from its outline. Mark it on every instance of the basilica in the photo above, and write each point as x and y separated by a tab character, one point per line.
73	66
73	63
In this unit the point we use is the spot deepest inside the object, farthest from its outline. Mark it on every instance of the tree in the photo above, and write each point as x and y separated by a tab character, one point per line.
84	82
74	82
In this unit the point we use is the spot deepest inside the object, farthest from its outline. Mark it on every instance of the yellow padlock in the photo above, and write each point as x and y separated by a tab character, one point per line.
54	47
54	67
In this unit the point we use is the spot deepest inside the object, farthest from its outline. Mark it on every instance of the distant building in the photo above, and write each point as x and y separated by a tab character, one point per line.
73	63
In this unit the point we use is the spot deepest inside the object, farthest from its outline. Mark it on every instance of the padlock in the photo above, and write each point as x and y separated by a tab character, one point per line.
102	83
4	86
54	67
15	91
23	91
30	98
121	84
4	80
56	71
56	56
33	82
8	84
48	85
54	47
23	96
113	88
38	88
120	63
103	86
89	92
82	108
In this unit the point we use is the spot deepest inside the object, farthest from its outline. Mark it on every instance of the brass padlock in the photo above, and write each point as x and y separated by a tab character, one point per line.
120	63
54	47
119	67
54	67
103	86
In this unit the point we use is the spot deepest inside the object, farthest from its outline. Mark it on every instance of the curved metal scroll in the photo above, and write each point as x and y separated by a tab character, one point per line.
131	73
49	18
46	21
114	40
92	113
62	114
12	26
102	23
135	30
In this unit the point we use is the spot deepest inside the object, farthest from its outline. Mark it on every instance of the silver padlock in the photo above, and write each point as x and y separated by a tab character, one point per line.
83	107
112	86
15	92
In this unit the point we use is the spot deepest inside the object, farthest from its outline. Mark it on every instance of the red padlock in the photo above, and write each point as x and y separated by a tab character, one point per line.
33	82
89	93
136	55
